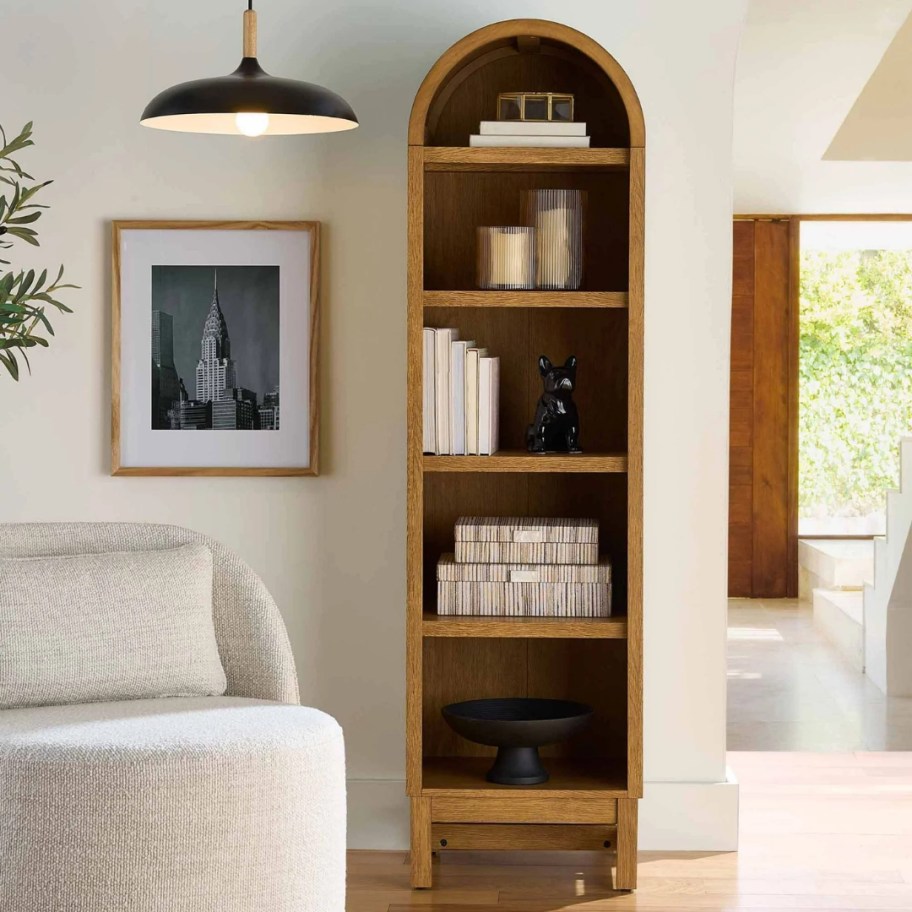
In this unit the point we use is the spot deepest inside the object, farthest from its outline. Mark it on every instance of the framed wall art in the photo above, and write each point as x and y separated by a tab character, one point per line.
215	331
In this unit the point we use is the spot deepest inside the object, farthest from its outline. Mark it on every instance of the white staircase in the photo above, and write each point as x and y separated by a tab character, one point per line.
888	601
832	574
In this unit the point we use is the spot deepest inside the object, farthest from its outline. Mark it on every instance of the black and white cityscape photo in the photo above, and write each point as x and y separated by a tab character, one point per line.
215	348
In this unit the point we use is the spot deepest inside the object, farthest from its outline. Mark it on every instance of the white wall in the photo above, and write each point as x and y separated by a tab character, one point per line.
332	549
801	66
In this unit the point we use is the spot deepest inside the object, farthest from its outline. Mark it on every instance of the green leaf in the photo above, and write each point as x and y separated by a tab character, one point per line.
9	361
25	234
25	219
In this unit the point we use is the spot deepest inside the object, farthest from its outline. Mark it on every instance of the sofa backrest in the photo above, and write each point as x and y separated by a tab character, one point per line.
253	643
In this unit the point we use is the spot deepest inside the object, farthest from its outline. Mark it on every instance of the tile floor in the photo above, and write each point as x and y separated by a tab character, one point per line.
789	690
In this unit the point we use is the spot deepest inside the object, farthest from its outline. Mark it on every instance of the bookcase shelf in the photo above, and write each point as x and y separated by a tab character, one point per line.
612	628
616	299
596	778
521	461
527	159
463	777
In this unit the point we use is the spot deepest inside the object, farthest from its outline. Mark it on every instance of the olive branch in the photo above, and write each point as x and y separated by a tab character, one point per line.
24	297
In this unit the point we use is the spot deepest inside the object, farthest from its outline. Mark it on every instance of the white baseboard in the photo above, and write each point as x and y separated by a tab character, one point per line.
674	816
690	816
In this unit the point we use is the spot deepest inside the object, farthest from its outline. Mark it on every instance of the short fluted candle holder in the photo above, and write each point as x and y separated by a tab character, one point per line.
506	257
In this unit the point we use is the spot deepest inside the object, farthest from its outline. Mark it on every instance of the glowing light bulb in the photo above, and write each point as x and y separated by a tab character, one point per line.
252	123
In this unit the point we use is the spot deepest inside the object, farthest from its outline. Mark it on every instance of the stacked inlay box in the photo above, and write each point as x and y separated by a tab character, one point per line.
524	567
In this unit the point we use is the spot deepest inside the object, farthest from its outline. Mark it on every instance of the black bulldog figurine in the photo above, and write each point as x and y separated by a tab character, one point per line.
555	428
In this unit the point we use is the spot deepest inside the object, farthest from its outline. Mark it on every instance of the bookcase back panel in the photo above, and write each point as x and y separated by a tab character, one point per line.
470	93
599	496
518	336
589	671
458	202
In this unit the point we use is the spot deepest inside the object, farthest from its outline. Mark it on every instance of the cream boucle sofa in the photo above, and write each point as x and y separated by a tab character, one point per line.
184	804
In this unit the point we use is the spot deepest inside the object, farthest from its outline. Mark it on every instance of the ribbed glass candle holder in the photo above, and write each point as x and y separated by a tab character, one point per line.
557	217
506	257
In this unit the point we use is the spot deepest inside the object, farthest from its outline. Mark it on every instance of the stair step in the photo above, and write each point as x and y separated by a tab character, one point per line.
839	615
837	563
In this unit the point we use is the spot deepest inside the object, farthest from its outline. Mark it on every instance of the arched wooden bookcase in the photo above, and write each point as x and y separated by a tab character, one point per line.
590	801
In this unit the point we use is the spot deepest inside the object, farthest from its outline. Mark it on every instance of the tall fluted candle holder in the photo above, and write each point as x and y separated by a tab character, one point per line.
506	257
557	217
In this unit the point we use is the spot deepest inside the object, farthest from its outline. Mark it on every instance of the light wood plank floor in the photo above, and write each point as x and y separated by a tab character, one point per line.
818	831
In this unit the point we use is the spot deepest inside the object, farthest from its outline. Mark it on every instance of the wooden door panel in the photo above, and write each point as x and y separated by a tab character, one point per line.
763	411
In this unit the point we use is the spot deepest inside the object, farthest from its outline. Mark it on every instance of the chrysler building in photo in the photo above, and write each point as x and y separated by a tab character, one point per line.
215	372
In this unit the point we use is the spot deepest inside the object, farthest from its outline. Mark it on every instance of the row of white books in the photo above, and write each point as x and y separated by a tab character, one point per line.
558	134
461	395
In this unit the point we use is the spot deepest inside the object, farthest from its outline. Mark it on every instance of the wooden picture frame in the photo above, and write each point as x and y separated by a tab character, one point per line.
134	286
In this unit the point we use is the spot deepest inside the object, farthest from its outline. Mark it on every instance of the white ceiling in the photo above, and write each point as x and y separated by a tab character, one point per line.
801	67
879	125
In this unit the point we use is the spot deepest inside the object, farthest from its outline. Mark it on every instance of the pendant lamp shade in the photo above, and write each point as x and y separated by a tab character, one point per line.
249	102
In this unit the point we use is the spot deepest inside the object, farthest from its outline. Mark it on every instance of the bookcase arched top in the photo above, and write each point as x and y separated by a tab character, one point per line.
525	55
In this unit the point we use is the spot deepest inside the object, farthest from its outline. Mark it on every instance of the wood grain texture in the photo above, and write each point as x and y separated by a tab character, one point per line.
420	857
524	299
519	837
625	877
414	486
457	203
115	347
313	466
556	808
571	778
457	669
586	670
518	336
521	461
828	217
763	427
613	628
635	406
589	671
792	407
800	848
529	159
250	33
601	496
771	411
452	190
741	415
494	37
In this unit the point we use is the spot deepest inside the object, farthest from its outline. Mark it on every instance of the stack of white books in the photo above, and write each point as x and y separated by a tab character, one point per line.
461	396
559	134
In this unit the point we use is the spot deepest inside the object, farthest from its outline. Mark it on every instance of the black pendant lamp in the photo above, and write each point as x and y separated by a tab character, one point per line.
249	101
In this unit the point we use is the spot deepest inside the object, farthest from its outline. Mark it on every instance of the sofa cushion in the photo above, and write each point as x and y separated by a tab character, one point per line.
111	626
198	804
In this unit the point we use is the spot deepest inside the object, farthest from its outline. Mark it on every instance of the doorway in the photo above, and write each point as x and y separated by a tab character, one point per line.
820	390
821	394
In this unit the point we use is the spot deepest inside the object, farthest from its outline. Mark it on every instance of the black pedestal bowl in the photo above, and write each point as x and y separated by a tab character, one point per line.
517	727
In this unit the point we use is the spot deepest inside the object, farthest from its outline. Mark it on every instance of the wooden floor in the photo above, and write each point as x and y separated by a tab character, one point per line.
818	831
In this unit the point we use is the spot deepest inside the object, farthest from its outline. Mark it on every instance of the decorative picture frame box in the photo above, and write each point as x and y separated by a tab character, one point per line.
525	540
524	590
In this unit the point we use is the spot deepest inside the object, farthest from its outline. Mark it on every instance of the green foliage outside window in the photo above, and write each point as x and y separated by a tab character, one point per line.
855	367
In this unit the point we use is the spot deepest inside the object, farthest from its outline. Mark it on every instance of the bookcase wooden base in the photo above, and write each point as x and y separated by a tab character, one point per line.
553	824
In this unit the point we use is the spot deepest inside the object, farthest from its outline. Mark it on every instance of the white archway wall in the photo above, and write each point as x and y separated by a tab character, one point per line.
332	550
